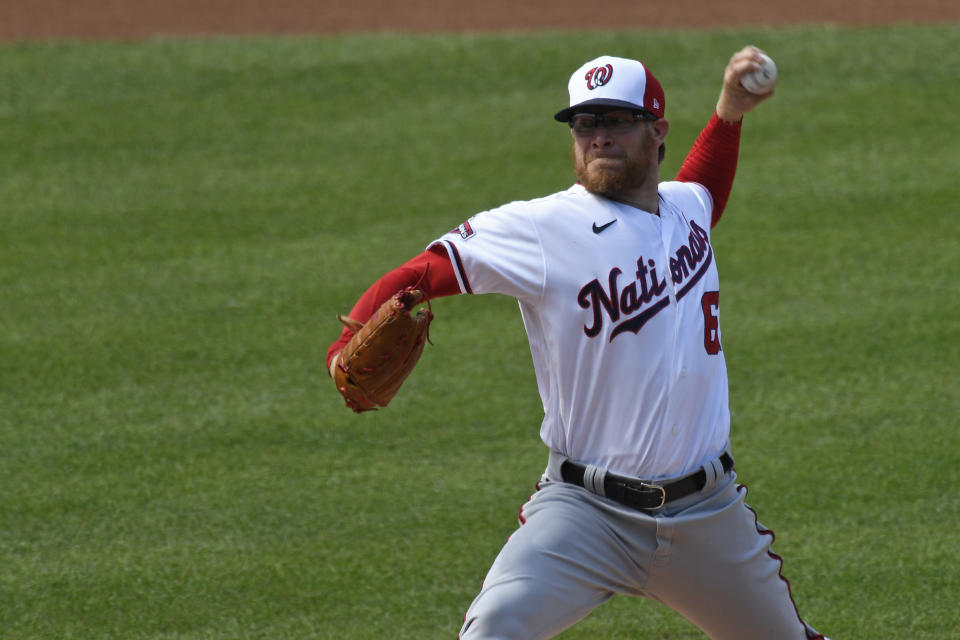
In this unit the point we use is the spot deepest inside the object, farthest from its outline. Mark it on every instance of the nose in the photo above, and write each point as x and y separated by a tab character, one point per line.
601	137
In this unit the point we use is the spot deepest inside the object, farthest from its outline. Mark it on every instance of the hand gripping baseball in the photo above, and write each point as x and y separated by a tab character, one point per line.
735	100
382	352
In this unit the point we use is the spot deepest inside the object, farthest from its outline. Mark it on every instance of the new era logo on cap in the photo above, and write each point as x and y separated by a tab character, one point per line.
613	82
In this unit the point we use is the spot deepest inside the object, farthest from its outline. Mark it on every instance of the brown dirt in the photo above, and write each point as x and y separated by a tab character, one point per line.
136	19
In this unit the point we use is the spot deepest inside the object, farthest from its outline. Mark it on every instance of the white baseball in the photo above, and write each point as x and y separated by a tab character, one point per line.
763	79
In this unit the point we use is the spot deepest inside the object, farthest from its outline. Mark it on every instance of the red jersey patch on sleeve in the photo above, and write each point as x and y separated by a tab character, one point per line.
465	230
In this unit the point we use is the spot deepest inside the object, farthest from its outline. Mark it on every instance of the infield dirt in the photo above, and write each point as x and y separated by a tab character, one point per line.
138	19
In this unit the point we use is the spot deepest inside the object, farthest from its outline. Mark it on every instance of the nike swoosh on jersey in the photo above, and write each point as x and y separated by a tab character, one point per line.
597	229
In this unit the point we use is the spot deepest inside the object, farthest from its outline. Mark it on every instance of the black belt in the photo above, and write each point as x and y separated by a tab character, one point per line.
640	494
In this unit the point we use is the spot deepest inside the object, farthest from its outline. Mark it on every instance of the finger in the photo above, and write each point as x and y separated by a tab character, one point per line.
740	65
750	56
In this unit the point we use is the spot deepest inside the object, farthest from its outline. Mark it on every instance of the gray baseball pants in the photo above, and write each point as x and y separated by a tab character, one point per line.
705	556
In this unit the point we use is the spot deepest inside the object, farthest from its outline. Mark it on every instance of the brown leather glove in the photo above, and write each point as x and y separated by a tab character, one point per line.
381	354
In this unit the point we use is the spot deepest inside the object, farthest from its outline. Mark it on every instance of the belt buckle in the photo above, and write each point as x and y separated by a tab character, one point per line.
663	493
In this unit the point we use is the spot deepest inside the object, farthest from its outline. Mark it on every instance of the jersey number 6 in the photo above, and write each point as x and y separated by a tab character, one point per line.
710	302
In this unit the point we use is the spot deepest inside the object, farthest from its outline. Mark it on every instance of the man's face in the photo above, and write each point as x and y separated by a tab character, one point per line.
617	154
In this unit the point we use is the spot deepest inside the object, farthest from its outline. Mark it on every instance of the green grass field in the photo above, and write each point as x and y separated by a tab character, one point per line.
181	220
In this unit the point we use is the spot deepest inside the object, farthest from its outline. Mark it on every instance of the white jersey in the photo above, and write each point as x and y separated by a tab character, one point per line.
621	310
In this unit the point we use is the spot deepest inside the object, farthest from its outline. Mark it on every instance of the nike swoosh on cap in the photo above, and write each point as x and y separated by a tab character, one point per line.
597	229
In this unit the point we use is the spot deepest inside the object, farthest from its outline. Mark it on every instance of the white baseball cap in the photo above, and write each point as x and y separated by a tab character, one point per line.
613	82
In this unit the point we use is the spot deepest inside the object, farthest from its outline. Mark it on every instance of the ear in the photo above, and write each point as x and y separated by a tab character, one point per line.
660	129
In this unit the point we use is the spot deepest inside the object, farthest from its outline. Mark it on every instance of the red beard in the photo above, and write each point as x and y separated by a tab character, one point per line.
609	178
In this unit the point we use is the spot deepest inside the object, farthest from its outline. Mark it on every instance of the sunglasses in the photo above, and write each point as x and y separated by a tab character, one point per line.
584	124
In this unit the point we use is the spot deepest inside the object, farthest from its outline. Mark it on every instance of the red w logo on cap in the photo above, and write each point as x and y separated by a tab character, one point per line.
599	76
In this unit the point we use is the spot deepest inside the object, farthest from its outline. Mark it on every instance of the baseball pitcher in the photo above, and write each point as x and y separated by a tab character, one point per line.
618	289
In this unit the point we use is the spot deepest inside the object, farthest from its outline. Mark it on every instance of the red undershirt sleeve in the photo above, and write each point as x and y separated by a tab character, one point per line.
431	272
712	161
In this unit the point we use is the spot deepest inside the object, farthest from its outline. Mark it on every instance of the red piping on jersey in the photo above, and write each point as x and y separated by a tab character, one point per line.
460	269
